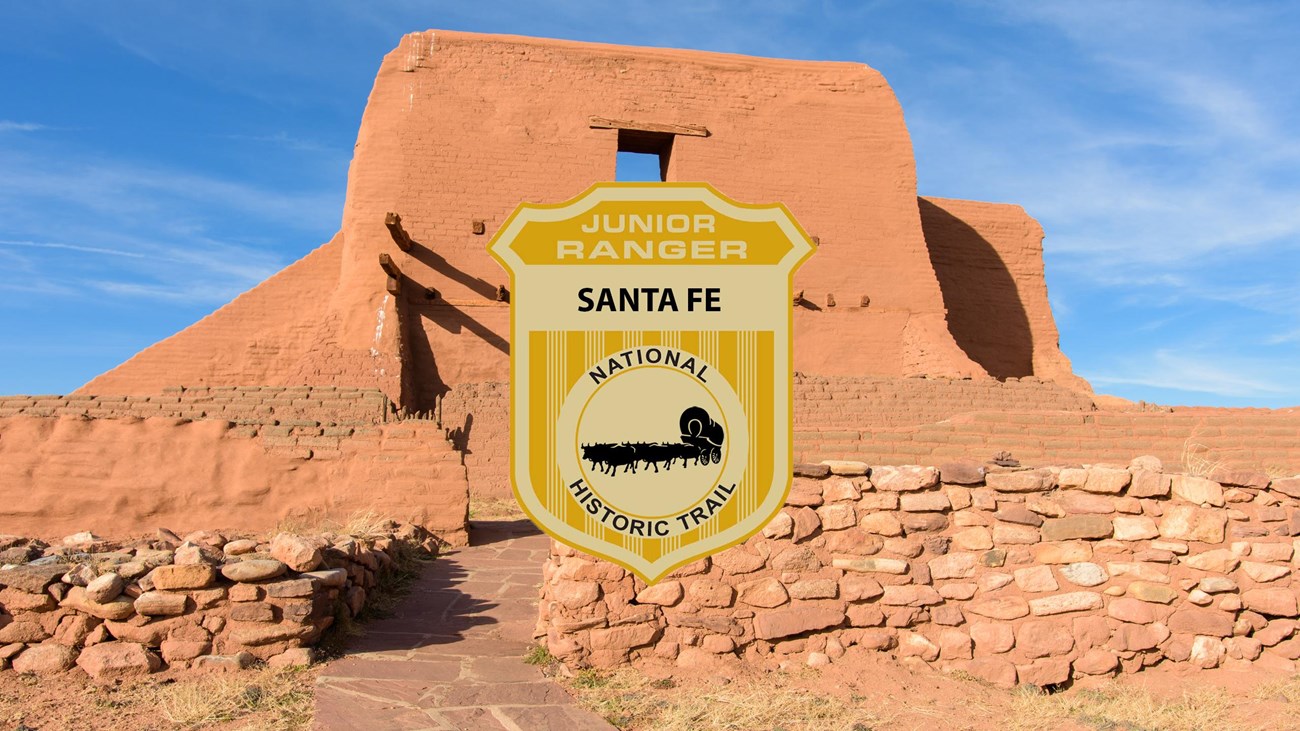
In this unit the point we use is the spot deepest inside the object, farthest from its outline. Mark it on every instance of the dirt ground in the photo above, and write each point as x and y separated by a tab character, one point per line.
872	692
270	700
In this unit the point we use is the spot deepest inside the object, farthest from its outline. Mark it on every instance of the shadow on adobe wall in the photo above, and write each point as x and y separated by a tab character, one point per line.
985	313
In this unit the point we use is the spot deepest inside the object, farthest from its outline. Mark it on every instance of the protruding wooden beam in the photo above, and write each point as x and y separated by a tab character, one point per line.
798	298
394	286
389	266
503	294
400	237
686	130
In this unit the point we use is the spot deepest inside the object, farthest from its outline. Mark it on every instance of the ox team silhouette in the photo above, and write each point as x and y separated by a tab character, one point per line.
700	444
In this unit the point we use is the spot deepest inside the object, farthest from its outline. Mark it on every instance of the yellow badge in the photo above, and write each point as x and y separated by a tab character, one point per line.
651	368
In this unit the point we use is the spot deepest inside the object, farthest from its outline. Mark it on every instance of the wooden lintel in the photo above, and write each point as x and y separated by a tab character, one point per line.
400	237
389	266
686	130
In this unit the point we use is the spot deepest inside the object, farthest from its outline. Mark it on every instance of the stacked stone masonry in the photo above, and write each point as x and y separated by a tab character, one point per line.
911	420
205	602
1016	576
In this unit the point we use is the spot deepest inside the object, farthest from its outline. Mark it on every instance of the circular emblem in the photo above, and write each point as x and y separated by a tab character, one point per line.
660	441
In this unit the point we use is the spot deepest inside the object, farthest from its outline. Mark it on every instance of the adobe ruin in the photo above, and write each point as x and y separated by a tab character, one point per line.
371	374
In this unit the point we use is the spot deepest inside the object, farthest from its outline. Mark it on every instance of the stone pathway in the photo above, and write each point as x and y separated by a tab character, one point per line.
451	657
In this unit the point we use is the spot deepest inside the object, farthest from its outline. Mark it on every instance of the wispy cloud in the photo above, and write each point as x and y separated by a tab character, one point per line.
11	126
1201	372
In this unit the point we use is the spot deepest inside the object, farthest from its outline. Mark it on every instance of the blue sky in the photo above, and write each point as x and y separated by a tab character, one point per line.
156	159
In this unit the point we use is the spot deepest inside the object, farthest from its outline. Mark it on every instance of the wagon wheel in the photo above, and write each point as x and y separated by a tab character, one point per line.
715	454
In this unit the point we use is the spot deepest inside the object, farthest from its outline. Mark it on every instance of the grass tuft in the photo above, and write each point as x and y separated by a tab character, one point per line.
1115	707
628	699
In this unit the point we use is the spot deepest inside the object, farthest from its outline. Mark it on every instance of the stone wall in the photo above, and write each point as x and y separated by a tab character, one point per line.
918	420
1012	575
65	473
206	602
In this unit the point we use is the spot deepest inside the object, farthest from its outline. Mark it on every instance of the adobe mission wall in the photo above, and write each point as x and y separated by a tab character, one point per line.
923	330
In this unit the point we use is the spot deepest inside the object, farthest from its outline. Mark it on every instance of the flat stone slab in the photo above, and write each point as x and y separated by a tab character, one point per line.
451	656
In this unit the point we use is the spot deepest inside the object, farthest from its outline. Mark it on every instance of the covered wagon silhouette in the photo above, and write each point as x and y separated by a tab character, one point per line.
700	444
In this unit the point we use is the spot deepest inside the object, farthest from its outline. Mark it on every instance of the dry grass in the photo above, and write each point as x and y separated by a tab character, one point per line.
1197	459
270	699
495	509
632	701
1286	689
1117	707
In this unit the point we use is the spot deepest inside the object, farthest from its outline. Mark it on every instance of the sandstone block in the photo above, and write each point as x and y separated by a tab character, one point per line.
924	502
1207	652
46	658
1044	672
766	593
1189	523
31	579
1263	573
871	565
1287	486
787	622
1197	490
105	588
1043	638
295	552
664	594
798	559
188	576
955	645
993	670
1219	560
855	587
806	523
813	589
1035	579
1076	527
910	595
837	517
846	468
1020	481
1008	534
1271	602
1151	592
992	638
16	600
1058	553
1148	483
840	488
914	644
1097	662
1201	622
808	469
975	538
160	604
1106	481
112	660
708	593
1127	609
253	570
962	472
118	609
1003	608
1018	514
780	526
957	565
1076	601
883	524
1084	573
906	478
1134	528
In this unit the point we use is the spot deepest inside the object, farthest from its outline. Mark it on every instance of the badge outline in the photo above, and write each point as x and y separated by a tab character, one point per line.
703	192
